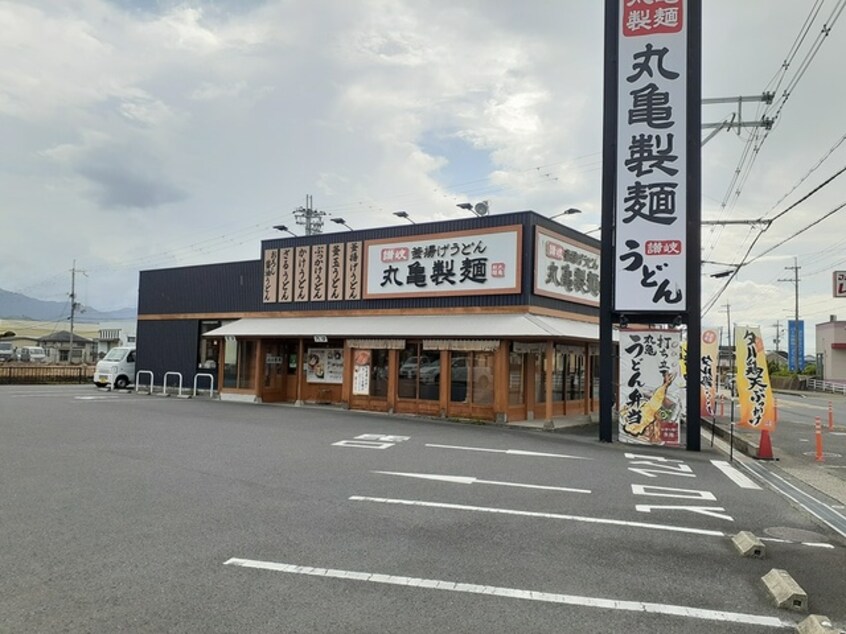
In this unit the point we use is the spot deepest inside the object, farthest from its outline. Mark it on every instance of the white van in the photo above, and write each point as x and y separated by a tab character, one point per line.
117	368
34	354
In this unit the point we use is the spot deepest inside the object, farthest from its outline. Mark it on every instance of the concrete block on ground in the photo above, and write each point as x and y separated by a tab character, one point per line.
785	591
748	545
816	624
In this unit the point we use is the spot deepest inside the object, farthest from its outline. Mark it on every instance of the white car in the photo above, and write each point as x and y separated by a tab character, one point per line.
117	368
408	370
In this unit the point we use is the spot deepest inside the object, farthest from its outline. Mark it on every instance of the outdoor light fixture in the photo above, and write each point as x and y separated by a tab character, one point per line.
404	214
480	208
285	229
341	221
722	273
567	212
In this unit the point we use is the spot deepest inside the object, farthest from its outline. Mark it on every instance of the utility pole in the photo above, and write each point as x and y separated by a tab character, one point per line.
778	336
731	357
795	280
736	119
74	306
311	219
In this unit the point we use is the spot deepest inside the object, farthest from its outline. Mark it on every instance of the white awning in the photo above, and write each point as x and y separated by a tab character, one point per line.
488	326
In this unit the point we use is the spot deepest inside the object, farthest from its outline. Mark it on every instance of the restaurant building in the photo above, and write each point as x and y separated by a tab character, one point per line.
491	318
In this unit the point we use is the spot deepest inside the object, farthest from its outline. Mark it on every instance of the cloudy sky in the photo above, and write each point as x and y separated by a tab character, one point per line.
141	134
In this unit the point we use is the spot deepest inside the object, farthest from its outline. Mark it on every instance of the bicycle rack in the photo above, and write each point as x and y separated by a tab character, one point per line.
165	386
138	380
211	383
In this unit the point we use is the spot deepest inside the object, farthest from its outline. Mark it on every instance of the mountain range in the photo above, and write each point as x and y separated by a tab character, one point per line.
18	306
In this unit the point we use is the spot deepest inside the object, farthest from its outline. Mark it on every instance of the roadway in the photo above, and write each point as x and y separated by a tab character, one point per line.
150	514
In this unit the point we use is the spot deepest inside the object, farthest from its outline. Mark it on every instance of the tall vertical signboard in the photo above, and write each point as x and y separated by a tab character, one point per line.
650	269
651	209
795	345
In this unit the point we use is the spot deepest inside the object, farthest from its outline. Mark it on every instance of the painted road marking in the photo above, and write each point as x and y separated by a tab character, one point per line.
776	540
553	516
741	480
95	398
812	505
516	593
471	480
511	452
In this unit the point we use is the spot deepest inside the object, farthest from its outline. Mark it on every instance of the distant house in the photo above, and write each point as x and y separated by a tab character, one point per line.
831	350
114	334
58	345
778	358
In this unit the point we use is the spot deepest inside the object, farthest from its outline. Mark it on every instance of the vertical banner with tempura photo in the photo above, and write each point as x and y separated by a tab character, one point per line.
754	391
708	371
650	396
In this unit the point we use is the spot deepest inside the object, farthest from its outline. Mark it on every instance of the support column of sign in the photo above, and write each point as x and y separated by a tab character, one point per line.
651	175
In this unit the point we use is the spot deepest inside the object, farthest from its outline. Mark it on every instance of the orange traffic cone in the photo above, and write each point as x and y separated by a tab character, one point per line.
765	446
818	432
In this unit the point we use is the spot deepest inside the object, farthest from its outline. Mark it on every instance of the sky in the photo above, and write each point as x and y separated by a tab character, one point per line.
144	134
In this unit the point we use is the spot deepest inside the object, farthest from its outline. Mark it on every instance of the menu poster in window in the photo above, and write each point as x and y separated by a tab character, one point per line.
361	373
325	365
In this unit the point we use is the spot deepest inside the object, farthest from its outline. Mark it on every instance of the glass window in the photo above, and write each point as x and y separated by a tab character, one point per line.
516	367
239	364
483	363
230	363
379	373
418	373
575	376
208	350
557	376
471	377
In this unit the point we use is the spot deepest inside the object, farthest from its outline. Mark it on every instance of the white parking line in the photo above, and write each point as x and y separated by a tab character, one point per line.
516	593
741	480
511	452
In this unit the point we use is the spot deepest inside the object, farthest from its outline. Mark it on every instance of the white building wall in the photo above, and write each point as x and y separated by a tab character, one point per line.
834	360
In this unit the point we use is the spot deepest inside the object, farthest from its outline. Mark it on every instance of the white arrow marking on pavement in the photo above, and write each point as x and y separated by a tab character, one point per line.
513	452
470	480
94	398
515	593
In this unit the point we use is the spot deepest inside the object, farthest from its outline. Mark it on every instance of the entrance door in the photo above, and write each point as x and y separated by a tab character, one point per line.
274	383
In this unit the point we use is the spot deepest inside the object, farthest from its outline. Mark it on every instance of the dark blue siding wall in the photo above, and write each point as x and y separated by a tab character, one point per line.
168	346
212	288
236	287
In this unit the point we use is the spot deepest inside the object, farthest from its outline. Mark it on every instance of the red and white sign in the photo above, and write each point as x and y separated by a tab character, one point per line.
840	283
651	188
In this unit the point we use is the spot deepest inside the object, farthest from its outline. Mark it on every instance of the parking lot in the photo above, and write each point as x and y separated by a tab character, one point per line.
145	513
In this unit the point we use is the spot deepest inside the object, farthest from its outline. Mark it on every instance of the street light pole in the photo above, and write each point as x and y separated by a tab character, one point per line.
341	221
566	212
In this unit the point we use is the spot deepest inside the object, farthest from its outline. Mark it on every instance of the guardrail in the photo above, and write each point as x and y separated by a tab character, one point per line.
29	374
826	386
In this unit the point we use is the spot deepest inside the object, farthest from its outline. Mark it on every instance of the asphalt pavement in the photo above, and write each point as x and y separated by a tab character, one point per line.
123	512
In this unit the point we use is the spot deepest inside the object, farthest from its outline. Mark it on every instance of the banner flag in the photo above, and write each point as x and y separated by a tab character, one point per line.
650	397
754	390
708	378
